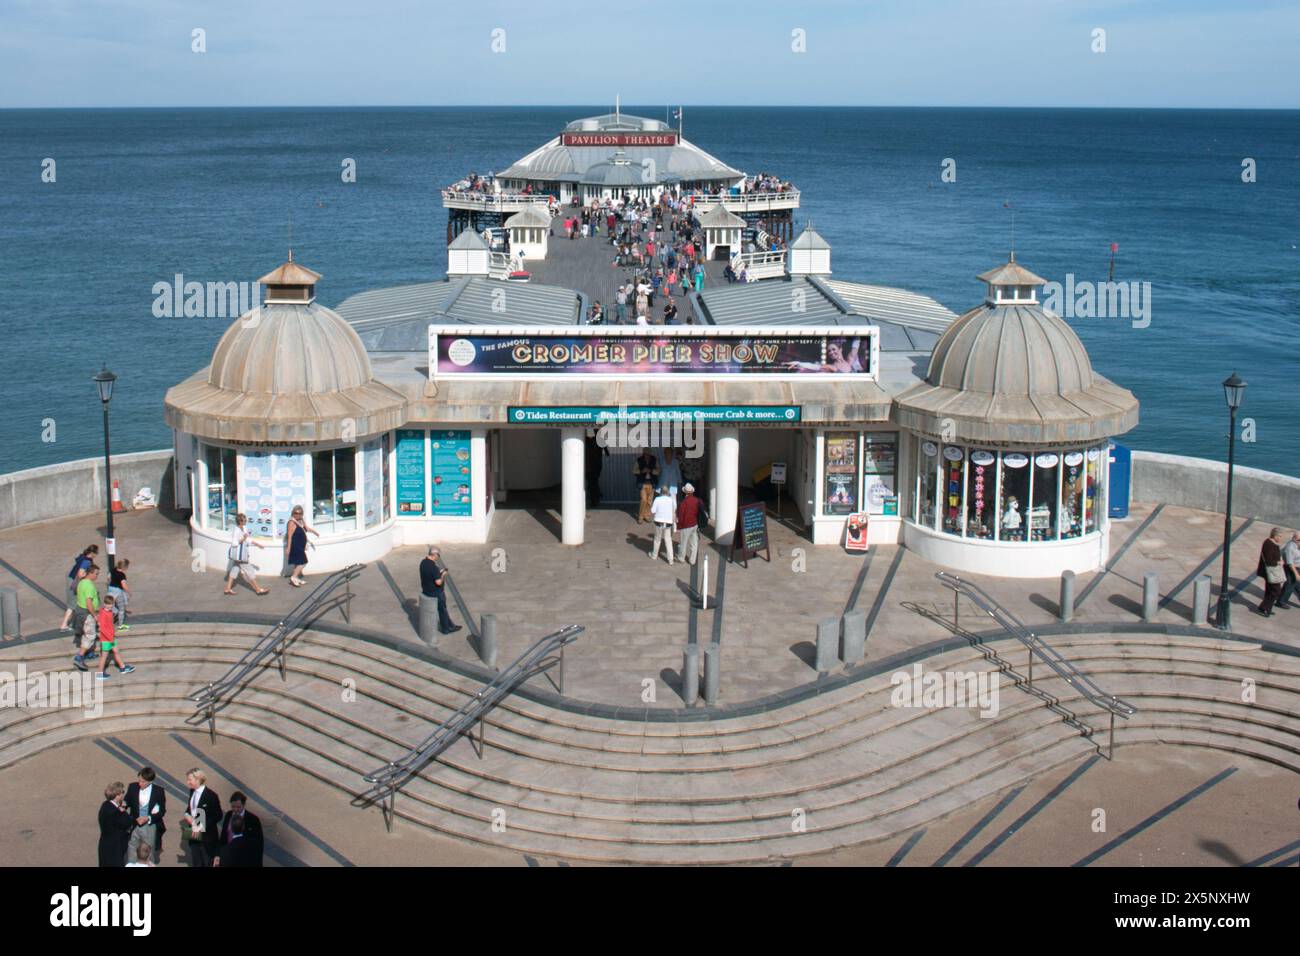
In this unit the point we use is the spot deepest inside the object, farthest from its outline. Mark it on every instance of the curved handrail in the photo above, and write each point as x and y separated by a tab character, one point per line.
1014	627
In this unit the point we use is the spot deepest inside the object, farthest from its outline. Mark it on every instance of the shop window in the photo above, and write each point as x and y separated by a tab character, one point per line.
1043	515
221	500
841	470
981	494
927	483
954	474
879	472
1094	491
386	444
1014	497
334	491
1072	494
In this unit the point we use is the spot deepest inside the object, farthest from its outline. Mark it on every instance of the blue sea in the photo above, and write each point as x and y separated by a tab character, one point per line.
144	194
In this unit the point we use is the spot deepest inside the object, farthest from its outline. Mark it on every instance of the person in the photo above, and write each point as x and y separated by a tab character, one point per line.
699	277
594	464
240	539
242	842
670	311
664	512
620	305
85	622
646	470
432	578
120	592
114	826
689	514
295	545
80	565
108	642
670	475
1270	569
201	820
140	857
146	802
1291	565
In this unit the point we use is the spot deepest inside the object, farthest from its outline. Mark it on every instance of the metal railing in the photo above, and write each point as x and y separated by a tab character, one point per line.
274	641
747	202
539	658
762	264
492	202
1036	645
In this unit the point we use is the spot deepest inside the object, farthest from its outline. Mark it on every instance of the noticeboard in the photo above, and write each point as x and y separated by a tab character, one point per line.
750	536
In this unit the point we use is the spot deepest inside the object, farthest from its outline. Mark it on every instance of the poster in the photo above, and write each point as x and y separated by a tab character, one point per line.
290	486
452	481
879	470
257	493
374	485
410	472
855	532
841	473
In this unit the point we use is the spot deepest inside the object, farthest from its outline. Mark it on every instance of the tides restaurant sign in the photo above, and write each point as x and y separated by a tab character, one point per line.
632	352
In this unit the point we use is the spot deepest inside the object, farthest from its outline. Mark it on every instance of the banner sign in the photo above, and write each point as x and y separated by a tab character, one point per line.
618	139
595	414
410	471
451	474
638	352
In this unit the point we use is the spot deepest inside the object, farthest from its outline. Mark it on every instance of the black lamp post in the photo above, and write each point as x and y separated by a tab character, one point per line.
104	379
1234	390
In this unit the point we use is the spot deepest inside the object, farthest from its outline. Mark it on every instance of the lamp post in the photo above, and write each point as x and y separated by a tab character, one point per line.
1234	390
104	380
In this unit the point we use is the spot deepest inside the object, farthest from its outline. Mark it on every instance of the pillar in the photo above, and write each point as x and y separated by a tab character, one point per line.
726	453
573	498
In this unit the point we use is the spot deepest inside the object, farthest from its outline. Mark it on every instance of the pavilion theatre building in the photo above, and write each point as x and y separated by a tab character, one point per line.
411	414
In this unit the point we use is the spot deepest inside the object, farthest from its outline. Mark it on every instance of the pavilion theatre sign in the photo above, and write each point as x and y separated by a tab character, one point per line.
640	353
618	139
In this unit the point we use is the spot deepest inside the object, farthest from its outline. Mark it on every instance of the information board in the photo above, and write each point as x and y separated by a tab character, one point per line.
410	472
452	481
750	536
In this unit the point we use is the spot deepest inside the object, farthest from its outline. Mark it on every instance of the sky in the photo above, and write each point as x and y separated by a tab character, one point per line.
1236	54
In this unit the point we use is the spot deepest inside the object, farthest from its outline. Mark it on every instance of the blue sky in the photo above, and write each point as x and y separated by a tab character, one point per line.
1172	53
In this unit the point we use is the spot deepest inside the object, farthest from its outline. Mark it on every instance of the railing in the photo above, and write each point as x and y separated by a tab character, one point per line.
493	202
1036	645
275	642
759	265
746	202
539	658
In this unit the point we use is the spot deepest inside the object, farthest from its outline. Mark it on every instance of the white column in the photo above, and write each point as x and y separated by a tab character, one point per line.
712	444
727	455
573	499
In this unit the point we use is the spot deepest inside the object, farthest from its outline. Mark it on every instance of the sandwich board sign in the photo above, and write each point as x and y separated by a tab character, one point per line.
750	536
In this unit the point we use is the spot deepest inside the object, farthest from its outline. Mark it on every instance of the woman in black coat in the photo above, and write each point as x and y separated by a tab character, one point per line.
114	826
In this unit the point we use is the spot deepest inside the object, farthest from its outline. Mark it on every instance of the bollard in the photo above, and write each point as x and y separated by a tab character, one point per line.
853	639
691	674
1065	608
828	639
487	640
9	620
711	664
1150	596
1201	600
429	620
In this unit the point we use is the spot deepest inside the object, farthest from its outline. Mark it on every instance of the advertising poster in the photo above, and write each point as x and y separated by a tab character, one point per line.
855	533
841	470
410	472
879	468
290	485
374	463
449	451
257	493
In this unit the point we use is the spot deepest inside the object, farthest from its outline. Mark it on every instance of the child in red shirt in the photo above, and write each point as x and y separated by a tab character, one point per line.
107	642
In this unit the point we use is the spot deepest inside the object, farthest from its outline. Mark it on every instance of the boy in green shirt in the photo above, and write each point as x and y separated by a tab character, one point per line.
83	619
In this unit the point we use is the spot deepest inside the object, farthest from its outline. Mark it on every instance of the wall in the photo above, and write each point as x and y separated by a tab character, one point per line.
77	487
1201	483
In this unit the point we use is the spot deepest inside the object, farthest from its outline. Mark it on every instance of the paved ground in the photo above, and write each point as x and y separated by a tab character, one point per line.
639	616
1163	807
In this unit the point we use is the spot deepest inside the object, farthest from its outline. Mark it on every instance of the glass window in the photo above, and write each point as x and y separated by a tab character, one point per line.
387	444
1013	496
1072	494
221	498
1095	493
981	493
840	495
879	472
1043	516
950	490
334	490
927	482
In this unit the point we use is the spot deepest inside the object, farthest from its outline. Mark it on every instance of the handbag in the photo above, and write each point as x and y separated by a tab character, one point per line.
1273	574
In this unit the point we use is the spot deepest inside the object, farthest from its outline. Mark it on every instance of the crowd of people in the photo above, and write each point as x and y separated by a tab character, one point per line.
668	499
96	622
133	819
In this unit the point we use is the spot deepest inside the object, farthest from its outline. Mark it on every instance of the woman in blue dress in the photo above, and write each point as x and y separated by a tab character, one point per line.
295	546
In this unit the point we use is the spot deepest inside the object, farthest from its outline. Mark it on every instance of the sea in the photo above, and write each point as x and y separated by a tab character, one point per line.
1202	207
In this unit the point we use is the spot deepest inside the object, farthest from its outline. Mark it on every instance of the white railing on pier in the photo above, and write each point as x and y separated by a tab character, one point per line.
766	264
747	202
501	264
492	202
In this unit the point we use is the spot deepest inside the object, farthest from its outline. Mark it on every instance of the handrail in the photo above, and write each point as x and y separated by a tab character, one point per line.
207	698
745	201
389	777
1062	667
495	199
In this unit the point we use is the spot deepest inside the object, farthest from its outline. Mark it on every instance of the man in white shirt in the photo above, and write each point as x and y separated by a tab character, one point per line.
1290	565
664	511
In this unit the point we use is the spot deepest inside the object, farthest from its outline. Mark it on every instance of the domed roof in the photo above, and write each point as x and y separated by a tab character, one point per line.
287	349
1011	371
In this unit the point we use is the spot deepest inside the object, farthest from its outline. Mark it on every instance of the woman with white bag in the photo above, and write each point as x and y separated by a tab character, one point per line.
240	539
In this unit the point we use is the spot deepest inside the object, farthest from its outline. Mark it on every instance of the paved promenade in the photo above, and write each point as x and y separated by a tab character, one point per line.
640	615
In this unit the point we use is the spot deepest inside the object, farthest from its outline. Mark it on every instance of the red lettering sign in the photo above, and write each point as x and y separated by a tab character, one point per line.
618	139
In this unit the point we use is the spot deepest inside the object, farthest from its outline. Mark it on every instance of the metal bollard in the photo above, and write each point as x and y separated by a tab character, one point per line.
711	676
691	674
853	639
9	618
429	620
487	640
1201	600
1065	608
1150	596
828	634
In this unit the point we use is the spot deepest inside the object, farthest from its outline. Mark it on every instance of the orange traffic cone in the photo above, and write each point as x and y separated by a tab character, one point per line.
117	498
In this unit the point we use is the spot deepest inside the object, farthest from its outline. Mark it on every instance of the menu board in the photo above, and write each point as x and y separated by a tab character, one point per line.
750	536
410	472
374	490
257	493
841	469
451	473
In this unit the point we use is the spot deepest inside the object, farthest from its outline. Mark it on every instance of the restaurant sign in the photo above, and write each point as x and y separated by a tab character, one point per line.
618	139
640	352
597	415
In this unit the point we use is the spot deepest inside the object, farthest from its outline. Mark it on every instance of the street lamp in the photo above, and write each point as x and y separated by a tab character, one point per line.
1234	390
104	380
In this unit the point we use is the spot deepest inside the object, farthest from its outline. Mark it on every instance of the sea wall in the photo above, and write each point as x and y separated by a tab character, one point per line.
77	487
1201	483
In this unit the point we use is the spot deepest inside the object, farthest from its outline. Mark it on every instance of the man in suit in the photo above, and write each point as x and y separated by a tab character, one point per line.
203	815
241	835
147	803
114	827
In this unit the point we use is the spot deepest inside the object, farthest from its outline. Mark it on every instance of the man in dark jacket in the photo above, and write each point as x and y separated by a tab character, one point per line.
147	804
432	580
241	835
1270	563
114	827
203	815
